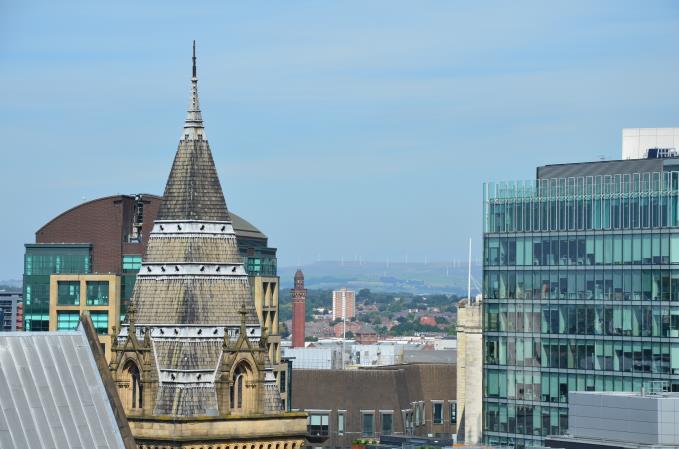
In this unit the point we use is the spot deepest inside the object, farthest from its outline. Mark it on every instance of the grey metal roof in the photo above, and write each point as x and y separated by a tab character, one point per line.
244	228
52	395
627	166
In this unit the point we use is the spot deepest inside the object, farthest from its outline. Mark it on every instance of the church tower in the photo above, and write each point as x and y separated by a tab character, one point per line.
298	310
190	362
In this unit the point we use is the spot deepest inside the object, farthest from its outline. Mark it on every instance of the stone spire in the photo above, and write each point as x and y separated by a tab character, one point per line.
193	127
193	191
192	291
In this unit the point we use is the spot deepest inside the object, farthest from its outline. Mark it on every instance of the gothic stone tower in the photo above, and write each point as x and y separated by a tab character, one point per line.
298	310
190	362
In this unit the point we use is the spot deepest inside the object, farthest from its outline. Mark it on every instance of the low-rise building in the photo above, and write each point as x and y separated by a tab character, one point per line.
332	353
342	328
346	405
314	358
646	419
366	335
428	320
378	354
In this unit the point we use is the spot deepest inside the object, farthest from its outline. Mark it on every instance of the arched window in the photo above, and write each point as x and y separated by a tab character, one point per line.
131	388
239	393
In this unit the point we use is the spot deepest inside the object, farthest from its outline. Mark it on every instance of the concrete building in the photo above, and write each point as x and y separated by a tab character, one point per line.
606	420
334	353
298	310
57	393
636	142
345	405
193	361
376	354
314	358
343	304
11	306
581	290
470	371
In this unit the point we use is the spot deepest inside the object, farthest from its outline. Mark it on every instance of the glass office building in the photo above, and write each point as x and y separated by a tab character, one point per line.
581	290
40	262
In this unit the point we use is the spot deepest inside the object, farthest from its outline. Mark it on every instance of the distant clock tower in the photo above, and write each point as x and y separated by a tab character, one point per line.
298	310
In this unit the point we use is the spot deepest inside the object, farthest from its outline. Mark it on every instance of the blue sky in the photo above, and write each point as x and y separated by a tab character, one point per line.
341	129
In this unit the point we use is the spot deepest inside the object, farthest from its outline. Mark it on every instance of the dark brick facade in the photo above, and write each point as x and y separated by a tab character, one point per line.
106	223
389	388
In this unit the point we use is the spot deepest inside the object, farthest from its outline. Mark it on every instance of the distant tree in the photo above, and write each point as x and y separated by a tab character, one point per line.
350	334
441	320
310	338
364	293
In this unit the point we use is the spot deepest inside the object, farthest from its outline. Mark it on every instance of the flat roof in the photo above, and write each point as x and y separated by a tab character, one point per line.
58	245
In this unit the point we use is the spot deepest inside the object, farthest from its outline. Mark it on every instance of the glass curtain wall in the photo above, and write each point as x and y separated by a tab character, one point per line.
41	261
581	293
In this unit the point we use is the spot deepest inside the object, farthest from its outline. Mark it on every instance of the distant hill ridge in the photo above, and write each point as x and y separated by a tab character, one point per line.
433	277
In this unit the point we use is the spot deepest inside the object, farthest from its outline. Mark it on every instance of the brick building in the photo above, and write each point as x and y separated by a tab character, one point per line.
345	405
351	328
105	236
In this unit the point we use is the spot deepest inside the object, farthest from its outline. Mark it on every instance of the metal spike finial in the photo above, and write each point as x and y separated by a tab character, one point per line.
193	126
194	58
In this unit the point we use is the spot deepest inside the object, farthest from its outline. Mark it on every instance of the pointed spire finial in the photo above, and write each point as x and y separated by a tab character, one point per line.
193	126
194	58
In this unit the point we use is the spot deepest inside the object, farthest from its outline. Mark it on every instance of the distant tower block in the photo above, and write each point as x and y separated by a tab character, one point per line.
298	310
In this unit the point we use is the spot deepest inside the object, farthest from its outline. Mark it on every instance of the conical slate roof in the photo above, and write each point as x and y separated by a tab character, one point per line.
193	191
192	283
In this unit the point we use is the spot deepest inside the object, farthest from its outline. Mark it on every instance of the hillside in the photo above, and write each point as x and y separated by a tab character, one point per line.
421	278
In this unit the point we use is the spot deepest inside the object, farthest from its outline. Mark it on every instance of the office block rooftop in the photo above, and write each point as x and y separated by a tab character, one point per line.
621	419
